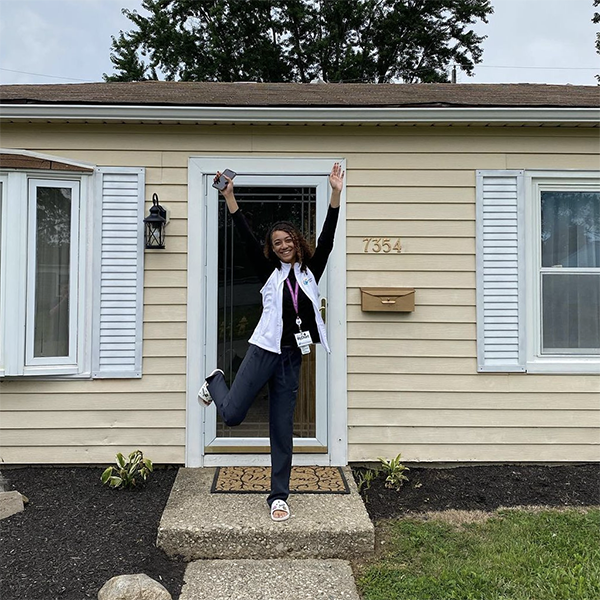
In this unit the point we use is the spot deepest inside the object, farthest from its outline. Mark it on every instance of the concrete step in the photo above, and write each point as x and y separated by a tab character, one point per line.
279	579
199	525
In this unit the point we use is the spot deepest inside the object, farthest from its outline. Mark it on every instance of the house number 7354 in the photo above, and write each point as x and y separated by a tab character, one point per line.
382	245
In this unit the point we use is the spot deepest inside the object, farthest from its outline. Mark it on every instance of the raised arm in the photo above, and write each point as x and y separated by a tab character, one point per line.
228	194
324	247
262	266
336	181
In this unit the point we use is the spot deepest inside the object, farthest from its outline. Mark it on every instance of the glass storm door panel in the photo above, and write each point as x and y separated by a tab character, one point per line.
237	305
239	301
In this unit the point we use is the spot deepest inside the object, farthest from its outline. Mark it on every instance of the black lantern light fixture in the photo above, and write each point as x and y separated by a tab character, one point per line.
154	226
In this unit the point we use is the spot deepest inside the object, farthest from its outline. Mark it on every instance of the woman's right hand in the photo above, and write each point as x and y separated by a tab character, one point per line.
227	191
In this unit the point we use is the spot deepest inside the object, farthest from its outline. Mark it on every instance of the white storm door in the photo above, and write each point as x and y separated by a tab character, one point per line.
232	307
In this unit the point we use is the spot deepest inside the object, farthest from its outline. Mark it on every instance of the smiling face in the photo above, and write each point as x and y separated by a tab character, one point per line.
284	246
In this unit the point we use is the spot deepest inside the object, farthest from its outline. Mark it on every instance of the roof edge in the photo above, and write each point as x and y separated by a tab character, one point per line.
274	115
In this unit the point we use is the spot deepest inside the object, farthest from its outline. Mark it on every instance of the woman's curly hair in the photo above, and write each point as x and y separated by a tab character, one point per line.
303	249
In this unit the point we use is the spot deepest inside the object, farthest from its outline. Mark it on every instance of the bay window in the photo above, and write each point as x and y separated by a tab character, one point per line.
44	289
71	268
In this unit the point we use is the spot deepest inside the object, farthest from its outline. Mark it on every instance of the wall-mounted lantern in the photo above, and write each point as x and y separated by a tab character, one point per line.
154	226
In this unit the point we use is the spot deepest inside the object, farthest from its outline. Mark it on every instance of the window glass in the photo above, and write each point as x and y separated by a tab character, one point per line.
571	313
570	229
570	281
52	271
240	300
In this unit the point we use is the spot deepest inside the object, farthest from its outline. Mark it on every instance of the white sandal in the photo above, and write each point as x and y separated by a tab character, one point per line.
203	394
282	506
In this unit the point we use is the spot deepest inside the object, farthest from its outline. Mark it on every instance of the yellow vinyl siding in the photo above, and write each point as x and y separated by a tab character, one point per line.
85	417
101	454
457	452
412	381
105	401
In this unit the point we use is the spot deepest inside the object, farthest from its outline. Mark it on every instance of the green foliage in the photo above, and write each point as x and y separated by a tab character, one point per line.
365	479
514	555
393	469
596	19
128	473
377	41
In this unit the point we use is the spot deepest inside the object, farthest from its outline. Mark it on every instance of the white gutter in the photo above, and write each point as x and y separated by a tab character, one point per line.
265	115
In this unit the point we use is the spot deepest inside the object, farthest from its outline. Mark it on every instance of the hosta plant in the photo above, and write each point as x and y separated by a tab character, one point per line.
393	469
129	472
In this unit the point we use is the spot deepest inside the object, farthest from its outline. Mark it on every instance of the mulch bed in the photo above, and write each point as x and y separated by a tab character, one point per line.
484	488
75	534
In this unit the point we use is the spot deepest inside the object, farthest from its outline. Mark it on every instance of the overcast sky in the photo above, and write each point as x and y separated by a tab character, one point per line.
63	41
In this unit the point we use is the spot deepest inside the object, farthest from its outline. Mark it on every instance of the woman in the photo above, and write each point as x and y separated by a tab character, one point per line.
290	322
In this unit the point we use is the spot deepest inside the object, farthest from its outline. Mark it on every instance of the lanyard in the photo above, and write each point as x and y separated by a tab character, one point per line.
294	295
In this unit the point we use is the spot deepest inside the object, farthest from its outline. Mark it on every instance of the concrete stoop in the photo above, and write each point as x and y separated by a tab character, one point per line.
279	579
199	525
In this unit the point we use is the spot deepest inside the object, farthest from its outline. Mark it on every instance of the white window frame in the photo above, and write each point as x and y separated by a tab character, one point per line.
535	183
18	256
68	362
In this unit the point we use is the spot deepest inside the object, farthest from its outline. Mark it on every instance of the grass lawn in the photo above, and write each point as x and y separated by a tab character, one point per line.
512	555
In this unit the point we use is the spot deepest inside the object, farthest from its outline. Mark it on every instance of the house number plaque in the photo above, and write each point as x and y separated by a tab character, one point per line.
385	245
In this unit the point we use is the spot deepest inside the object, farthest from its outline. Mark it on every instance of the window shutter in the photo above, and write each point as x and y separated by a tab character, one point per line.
119	271
500	306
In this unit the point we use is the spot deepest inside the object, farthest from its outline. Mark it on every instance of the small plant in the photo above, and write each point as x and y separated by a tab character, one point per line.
129	472
393	469
365	479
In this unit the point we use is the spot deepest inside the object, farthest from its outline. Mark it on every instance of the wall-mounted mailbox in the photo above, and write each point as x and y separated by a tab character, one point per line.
387	299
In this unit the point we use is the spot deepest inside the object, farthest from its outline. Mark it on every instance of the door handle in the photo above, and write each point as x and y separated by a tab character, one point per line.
323	309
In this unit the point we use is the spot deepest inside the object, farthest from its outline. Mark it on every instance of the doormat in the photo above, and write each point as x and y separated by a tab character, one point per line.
257	480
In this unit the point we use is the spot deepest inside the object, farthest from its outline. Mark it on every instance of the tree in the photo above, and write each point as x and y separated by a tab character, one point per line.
377	41
596	19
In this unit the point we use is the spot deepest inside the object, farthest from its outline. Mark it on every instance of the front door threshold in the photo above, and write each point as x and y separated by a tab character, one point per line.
262	450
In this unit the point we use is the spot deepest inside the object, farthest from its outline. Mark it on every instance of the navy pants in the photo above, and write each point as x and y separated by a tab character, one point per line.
282	372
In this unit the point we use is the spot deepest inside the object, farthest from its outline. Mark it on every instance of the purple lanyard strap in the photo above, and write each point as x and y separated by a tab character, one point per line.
294	294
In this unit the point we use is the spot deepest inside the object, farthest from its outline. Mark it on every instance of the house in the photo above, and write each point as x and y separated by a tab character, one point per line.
480	202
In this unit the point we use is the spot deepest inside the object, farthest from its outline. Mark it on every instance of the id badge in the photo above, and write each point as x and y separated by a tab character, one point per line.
304	341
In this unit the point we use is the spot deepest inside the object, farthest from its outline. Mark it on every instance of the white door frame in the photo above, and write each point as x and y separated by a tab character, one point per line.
201	171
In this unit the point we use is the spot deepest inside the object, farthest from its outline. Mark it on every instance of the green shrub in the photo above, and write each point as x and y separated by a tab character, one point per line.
128	473
393	469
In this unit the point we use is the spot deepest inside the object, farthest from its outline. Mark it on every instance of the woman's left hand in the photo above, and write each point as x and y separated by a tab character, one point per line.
336	178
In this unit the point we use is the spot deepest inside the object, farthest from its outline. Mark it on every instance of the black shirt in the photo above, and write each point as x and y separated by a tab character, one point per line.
317	264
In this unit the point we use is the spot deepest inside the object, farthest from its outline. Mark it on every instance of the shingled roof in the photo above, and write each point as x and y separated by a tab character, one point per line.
346	95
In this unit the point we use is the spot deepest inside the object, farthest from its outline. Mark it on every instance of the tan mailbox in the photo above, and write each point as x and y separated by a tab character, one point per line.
387	299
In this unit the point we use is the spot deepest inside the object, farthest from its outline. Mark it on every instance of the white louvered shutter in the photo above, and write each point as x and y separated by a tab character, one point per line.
500	284
119	271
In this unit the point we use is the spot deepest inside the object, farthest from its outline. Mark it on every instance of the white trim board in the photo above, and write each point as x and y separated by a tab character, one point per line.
200	169
285	115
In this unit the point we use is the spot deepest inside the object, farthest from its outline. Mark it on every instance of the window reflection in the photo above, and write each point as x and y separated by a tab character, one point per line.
52	271
571	229
240	302
570	288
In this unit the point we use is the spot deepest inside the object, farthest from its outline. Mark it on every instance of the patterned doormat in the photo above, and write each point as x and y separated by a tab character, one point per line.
257	480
